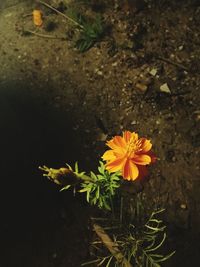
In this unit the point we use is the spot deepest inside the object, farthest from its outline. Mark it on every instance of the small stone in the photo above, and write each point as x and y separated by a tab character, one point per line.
76	127
100	73
54	255
141	87
133	122
115	64
165	88
173	159
198	117
153	72
57	98
102	137
183	206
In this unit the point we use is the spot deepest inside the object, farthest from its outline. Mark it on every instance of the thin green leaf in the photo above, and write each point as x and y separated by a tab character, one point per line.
155	228
76	167
88	195
159	245
156	221
93	176
152	243
97	192
109	261
84	189
70	168
102	261
89	262
155	255
166	257
65	188
157	212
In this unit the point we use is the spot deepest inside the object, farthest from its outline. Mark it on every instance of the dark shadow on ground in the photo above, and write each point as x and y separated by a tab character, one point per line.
39	225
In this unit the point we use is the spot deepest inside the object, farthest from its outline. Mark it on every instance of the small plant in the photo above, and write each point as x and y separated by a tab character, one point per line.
141	246
136	241
91	31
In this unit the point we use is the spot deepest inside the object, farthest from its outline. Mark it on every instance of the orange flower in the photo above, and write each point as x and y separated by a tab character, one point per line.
37	17
129	154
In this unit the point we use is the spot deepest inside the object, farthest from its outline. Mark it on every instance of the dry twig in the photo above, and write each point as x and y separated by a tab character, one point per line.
111	246
44	35
173	63
60	13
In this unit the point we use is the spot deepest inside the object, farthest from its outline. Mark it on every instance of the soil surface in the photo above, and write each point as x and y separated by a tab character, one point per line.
58	105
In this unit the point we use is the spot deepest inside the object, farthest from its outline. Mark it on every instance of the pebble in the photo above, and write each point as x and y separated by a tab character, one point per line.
183	206
54	255
153	72
100	73
141	87
165	88
133	122
115	64
102	137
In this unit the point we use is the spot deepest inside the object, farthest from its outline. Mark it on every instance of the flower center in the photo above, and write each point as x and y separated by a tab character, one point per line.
132	147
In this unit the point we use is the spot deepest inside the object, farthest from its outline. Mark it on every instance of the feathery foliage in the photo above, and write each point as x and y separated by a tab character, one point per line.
91	30
101	189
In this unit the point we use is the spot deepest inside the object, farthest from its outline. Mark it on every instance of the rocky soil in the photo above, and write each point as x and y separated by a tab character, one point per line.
143	76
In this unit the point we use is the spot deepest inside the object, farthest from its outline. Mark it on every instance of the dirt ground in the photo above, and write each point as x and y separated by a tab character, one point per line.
58	105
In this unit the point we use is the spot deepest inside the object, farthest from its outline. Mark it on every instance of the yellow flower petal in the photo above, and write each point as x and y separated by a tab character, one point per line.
127	135
141	159
130	171
118	145
115	165
109	155
152	155
145	145
116	142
